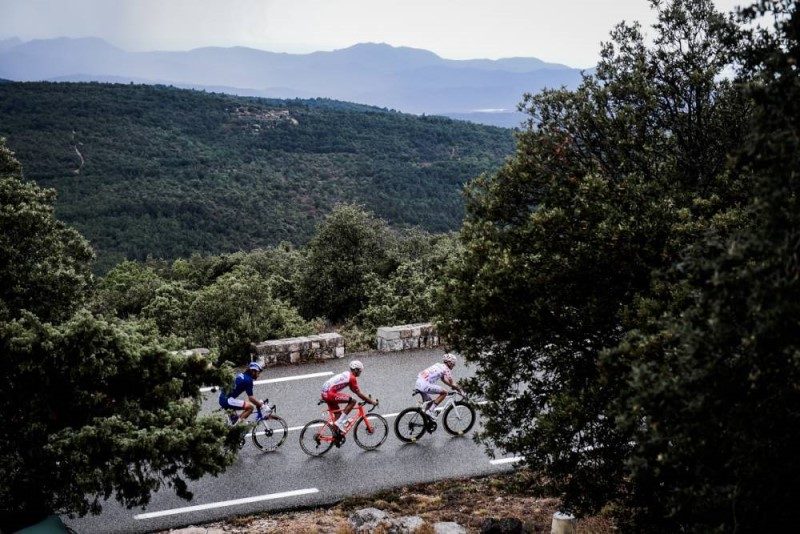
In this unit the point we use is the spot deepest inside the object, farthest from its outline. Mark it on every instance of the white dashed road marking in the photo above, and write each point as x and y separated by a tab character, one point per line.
281	379
223	504
512	460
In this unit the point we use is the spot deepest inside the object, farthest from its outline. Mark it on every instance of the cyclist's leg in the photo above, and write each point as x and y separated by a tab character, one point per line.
440	393
422	387
235	405
333	399
344	398
247	409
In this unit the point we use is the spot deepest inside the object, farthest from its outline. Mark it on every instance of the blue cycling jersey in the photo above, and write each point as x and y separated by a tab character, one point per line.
242	383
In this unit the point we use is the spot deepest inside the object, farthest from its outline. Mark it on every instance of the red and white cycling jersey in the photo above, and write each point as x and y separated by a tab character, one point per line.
435	372
339	382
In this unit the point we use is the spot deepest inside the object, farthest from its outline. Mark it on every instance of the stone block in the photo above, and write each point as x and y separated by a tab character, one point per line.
406	337
293	350
388	332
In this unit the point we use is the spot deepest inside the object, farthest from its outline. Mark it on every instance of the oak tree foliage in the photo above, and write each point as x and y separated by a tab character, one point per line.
91	408
582	241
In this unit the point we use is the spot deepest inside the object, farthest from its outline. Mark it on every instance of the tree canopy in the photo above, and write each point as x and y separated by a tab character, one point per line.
593	286
711	394
91	407
349	245
44	264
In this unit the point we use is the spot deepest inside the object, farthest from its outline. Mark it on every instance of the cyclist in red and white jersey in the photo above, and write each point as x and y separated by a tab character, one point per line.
332	392
426	382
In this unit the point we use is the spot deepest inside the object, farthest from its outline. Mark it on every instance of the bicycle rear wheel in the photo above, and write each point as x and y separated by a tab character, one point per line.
269	433
317	437
409	425
458	418
371	431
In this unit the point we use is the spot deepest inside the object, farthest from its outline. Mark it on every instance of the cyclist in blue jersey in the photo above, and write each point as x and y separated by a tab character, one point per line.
243	383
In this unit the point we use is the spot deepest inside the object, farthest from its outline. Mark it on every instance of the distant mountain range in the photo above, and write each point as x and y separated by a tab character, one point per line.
405	79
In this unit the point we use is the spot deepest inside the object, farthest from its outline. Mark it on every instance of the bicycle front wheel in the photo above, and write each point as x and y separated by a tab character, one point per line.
458	418
371	431
317	437
269	433
409	425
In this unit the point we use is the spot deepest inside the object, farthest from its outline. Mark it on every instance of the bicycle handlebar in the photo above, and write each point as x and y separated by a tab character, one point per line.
374	404
460	393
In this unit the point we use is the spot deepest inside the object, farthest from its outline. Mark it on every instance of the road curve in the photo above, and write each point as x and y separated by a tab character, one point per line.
288	478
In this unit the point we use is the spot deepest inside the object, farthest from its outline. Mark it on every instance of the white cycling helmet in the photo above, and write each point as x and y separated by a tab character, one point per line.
450	359
356	364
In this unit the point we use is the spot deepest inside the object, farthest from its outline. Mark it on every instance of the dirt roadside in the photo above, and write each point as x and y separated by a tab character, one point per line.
477	504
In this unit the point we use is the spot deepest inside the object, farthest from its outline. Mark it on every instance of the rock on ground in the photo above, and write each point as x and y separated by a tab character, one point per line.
367	518
405	525
448	527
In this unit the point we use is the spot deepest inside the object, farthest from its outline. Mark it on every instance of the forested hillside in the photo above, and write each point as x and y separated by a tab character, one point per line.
157	171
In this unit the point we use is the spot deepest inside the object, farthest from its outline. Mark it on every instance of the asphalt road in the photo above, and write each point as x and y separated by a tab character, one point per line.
288	478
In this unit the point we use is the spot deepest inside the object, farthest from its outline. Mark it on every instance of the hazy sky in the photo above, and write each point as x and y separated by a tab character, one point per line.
565	31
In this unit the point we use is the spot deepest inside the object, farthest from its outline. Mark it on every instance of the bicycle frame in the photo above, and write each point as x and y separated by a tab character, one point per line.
351	422
264	413
449	401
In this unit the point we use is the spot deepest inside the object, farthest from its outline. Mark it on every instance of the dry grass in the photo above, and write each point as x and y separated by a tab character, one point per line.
468	502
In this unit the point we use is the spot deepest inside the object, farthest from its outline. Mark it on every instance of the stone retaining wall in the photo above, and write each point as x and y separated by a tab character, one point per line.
407	336
297	349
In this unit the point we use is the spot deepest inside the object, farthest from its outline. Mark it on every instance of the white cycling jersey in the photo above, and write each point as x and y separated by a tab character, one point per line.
435	372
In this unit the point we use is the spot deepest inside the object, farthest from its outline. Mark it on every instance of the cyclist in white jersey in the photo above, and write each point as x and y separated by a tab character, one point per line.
426	382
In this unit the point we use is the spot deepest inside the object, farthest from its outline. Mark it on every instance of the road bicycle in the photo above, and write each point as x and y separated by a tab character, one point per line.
369	430
269	431
458	417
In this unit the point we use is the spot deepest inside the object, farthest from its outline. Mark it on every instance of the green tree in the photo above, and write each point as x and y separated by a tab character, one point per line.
44	265
282	266
126	289
408	294
711	392
104	412
169	309
606	189
238	309
90	408
349	245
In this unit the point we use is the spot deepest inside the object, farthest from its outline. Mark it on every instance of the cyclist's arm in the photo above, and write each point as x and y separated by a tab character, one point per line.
357	390
452	383
251	397
255	401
